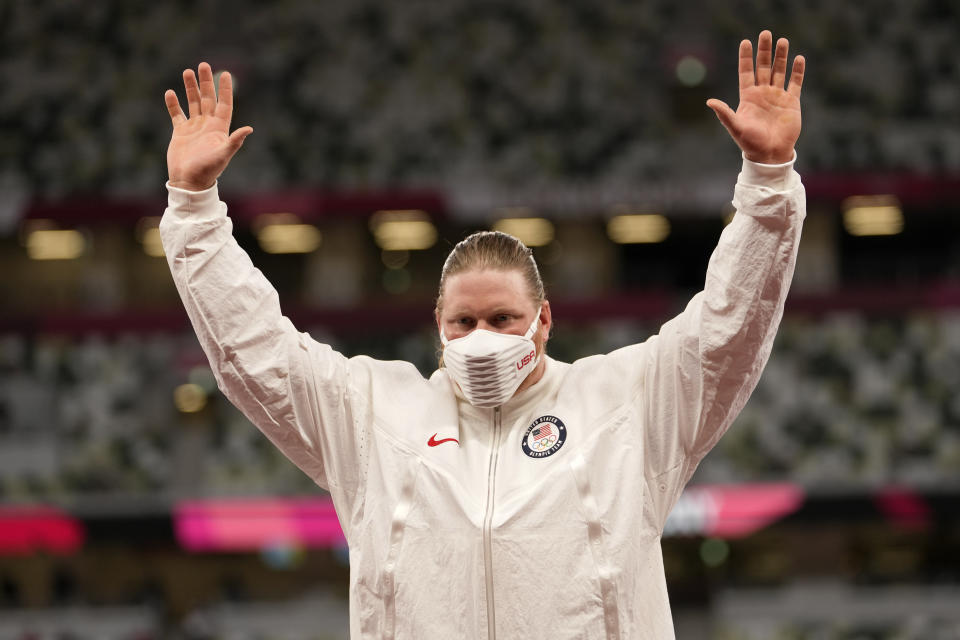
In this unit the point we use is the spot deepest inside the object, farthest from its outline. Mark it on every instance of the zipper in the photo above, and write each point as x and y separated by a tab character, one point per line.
488	525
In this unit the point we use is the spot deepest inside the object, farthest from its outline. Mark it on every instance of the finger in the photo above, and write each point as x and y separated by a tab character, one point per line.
726	115
225	99
764	57
796	75
745	65
193	92
235	141
173	107
208	94
780	63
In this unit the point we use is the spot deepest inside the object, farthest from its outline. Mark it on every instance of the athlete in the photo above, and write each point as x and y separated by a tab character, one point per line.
508	495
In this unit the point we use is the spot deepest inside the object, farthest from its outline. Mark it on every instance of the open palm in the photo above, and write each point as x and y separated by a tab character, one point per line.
201	146
766	124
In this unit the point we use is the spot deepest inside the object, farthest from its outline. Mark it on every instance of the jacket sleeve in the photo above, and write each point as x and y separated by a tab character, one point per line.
702	366
295	390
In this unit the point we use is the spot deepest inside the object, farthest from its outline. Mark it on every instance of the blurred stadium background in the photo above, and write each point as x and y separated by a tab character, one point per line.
136	503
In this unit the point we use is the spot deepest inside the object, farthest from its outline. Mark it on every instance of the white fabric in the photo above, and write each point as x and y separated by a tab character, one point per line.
488	366
568	545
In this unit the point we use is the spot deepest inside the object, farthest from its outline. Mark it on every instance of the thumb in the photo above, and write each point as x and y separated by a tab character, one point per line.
725	114
235	141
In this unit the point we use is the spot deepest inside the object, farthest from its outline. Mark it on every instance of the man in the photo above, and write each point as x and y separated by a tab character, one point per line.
509	495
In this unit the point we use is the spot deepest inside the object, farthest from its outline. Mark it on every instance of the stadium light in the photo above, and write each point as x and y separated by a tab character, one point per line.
531	231
691	71
189	398
44	241
403	230
284	233
878	215
148	233
642	228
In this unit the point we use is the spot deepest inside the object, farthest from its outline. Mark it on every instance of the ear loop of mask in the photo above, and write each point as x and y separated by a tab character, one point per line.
533	325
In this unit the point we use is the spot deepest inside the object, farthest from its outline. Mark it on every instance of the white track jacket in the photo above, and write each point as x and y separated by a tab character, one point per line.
538	519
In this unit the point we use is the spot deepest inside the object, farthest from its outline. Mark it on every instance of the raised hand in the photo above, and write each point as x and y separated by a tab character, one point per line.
201	146
766	124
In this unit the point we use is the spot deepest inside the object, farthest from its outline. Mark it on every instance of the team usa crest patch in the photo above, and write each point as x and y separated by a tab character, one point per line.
544	437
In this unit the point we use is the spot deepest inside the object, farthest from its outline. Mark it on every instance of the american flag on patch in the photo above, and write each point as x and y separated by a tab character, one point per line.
541	432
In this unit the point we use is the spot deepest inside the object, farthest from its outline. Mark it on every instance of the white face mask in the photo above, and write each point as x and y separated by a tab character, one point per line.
489	366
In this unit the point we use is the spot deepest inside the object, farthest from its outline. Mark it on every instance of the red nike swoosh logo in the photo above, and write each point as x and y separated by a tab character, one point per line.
432	442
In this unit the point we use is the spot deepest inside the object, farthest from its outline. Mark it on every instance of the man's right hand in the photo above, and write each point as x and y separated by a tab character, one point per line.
201	146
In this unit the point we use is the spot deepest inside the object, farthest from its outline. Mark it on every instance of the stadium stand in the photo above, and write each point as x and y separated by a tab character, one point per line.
110	417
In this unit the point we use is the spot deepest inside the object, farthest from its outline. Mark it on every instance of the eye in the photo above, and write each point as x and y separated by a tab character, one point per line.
501	318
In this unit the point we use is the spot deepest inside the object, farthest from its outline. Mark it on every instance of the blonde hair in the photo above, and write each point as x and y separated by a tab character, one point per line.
493	250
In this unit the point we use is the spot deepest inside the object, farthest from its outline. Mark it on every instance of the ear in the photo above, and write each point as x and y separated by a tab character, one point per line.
436	316
546	321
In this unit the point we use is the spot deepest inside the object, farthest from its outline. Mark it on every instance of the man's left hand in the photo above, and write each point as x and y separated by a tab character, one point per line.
766	124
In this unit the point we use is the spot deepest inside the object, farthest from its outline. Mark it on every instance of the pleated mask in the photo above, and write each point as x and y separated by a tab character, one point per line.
490	366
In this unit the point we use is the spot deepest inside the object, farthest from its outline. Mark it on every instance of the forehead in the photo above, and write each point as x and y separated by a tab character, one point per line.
486	290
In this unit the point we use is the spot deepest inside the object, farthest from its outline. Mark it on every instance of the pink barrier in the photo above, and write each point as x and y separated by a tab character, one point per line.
30	529
732	511
727	511
256	524
743	509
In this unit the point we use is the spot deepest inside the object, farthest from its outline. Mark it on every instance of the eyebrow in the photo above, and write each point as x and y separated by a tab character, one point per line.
502	310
